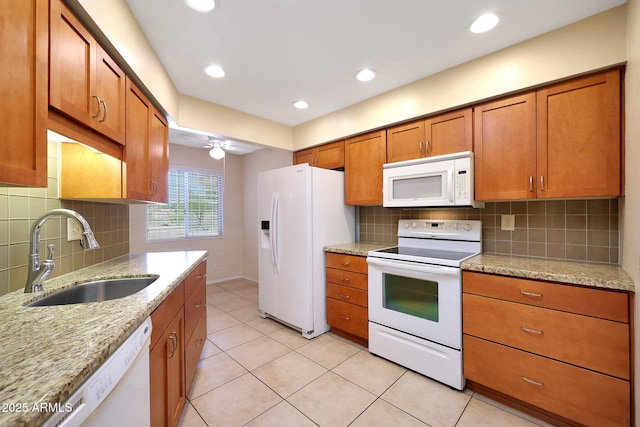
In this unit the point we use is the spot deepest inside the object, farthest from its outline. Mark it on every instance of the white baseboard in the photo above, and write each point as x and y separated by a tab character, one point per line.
226	279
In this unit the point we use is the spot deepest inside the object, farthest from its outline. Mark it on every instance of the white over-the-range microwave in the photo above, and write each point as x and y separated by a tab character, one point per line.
438	181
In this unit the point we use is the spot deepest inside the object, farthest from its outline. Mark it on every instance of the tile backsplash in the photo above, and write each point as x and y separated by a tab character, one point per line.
19	207
584	230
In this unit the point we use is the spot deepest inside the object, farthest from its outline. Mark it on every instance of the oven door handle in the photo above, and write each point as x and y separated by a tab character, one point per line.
400	266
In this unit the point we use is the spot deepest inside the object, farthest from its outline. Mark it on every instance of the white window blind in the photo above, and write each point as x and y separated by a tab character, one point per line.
194	208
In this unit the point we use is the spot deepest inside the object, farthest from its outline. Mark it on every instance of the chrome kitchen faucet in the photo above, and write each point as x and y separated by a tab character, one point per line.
38	271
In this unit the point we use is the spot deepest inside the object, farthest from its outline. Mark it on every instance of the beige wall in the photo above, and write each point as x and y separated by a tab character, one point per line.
258	161
225	253
590	44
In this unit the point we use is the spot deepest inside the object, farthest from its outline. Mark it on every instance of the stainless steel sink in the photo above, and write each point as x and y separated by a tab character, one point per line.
96	291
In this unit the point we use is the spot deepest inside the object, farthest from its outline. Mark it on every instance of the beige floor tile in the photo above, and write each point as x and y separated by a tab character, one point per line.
190	417
328	350
289	373
481	414
213	288
258	352
209	350
212	310
234	336
246	314
427	400
382	414
213	372
289	337
246	291
511	410
228	301
232	284
282	415
235	403
266	326
358	369
332	401
219	322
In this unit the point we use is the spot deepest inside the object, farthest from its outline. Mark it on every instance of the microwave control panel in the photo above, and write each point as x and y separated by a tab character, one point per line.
462	185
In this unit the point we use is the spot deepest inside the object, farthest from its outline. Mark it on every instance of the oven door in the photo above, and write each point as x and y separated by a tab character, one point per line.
420	299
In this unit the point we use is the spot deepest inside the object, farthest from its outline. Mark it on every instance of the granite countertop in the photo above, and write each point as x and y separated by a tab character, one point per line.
358	248
571	272
48	352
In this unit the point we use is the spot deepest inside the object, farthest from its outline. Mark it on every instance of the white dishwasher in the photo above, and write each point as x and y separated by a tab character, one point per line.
117	394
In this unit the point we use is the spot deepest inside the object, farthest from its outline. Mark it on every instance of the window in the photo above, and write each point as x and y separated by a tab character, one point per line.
194	208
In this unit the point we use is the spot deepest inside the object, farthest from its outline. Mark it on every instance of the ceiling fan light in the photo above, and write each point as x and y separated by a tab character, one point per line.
217	152
484	23
201	5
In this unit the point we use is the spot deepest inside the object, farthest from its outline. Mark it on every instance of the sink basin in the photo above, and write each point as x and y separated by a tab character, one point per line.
96	291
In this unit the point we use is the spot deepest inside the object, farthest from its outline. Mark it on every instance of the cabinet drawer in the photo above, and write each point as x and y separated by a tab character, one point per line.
597	344
197	277
347	262
194	307
348	278
348	317
578	394
193	349
590	302
165	312
346	294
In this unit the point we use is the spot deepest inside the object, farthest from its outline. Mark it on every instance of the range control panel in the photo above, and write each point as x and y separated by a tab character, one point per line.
440	229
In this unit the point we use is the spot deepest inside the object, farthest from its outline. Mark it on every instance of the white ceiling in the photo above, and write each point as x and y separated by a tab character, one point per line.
275	52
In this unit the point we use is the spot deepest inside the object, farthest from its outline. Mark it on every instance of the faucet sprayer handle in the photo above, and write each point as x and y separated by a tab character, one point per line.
50	251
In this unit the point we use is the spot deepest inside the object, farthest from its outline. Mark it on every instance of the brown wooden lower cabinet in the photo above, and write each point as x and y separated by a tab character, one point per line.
178	337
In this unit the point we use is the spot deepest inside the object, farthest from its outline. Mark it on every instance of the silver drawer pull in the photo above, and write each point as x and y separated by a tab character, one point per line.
345	263
530	381
531	294
531	331
345	296
345	317
345	279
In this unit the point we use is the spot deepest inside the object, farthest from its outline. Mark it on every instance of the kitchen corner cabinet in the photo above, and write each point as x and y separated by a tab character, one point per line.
326	156
177	340
23	90
347	296
364	157
561	141
442	134
561	351
85	83
146	151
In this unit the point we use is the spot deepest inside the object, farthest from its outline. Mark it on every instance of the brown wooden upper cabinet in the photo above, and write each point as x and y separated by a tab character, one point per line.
364	157
326	156
561	141
84	81
442	134
23	90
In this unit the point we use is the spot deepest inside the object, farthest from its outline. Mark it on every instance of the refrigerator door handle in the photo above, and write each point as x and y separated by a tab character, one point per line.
275	253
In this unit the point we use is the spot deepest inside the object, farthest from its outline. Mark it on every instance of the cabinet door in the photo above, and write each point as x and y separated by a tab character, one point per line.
136	151
159	157
364	157
71	66
505	149
330	156
167	380
579	137
305	156
406	142
449	133
110	88
23	90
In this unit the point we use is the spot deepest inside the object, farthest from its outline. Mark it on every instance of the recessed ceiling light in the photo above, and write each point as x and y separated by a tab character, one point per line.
201	5
484	23
365	75
301	105
214	71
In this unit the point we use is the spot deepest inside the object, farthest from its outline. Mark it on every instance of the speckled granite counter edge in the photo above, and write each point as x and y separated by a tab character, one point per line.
356	248
576	273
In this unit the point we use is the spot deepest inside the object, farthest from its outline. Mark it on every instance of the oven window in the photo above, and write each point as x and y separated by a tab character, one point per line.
414	297
423	187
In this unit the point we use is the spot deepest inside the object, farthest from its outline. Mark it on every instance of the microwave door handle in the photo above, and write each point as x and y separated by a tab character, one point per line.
450	173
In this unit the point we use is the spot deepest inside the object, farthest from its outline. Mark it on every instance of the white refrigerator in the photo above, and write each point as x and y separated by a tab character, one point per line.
300	210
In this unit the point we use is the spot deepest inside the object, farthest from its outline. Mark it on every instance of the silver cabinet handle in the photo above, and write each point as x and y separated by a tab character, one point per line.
531	294
426	148
345	279
174	340
345	296
199	342
541	183
530	381
104	116
97	114
345	263
345	317
531	331
420	147
531	183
